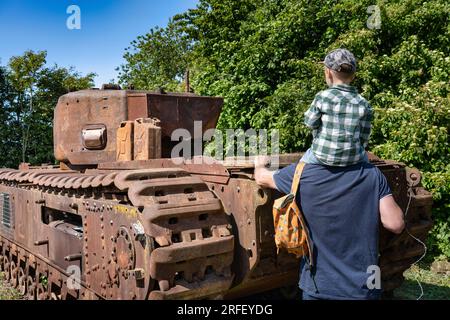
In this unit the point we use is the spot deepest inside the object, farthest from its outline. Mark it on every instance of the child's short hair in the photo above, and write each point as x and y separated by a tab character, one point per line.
346	68
346	74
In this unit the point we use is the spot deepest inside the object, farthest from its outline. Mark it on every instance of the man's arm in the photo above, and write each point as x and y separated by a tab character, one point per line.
391	215
263	176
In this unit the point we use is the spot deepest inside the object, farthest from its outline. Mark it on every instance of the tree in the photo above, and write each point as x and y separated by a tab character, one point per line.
261	56
6	97
158	59
29	91
23	76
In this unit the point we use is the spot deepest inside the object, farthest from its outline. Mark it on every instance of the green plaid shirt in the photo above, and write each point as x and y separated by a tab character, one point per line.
340	119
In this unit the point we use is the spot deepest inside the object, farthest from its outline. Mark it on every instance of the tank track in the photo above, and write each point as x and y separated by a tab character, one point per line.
181	246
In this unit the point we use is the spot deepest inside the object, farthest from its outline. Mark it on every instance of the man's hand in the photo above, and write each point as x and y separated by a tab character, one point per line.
262	161
263	176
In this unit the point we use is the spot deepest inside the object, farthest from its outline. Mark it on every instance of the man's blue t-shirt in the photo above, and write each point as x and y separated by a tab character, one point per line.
341	208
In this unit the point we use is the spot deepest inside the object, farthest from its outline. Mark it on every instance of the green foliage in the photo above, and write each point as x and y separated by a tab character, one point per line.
29	92
44	281
438	184
262	57
158	59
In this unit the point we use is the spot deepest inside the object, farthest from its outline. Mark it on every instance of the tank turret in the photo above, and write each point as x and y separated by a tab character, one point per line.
96	126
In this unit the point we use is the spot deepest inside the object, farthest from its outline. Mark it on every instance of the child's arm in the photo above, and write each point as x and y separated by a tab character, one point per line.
313	114
366	127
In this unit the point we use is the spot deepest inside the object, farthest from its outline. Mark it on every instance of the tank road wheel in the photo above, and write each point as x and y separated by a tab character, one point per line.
124	252
54	296
41	292
22	286
2	262
1	257
31	288
14	274
6	268
164	285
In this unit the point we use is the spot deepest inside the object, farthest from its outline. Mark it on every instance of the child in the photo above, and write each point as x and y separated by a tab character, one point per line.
339	116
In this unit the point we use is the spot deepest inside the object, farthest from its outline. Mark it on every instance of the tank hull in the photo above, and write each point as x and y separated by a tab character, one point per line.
154	229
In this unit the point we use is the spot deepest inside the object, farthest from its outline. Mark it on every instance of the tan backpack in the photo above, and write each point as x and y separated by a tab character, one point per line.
291	232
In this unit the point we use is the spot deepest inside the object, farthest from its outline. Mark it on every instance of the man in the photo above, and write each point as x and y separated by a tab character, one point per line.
342	208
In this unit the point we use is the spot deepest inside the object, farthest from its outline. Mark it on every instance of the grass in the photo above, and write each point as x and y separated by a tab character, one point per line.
6	291
436	286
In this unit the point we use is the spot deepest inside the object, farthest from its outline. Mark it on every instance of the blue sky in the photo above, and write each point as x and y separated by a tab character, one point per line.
107	28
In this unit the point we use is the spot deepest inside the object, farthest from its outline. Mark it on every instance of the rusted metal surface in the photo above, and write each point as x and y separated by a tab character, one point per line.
86	122
212	172
166	233
181	235
397	253
147	139
158	228
77	110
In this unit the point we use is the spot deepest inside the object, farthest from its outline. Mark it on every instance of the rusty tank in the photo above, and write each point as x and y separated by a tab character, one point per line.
119	219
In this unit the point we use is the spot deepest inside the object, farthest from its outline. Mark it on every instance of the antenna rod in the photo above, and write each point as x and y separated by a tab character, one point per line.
186	79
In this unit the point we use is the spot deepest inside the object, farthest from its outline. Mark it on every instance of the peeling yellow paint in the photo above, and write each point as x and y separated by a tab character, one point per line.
129	212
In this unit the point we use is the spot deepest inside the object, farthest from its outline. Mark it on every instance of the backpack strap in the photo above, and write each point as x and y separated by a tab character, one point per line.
297	176
294	189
